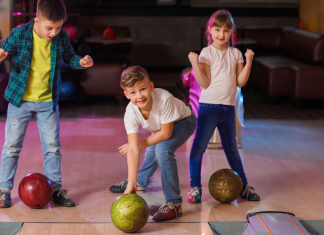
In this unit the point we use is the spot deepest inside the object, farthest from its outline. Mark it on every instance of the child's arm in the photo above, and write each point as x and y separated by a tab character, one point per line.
243	74
133	158
161	135
201	70
8	47
72	59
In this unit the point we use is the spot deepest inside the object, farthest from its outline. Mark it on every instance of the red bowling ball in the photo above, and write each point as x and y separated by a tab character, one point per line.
71	30
35	190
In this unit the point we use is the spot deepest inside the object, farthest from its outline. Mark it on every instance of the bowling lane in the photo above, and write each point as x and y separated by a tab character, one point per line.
282	159
109	228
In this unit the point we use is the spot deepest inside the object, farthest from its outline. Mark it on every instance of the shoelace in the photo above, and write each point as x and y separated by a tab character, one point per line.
248	190
194	191
121	184
64	193
168	206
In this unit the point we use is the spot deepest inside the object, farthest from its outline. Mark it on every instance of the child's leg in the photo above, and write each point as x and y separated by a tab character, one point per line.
15	130
209	115
182	130
49	128
148	168
227	132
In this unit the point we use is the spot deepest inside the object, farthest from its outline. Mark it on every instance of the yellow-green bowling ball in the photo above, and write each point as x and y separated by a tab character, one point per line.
129	212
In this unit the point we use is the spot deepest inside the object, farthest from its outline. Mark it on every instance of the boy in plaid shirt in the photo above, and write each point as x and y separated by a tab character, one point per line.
34	88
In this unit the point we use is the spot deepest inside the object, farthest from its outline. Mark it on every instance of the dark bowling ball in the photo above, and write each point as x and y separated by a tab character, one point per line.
64	66
225	185
66	90
35	190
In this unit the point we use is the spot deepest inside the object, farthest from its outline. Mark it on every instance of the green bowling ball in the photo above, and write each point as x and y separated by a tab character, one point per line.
129	212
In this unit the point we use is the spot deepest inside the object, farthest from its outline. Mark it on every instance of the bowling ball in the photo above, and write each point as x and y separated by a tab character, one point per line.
71	30
185	77
109	33
64	66
35	190
225	185
234	36
66	90
129	212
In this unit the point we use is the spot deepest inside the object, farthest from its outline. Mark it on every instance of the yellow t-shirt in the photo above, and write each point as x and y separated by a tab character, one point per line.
38	88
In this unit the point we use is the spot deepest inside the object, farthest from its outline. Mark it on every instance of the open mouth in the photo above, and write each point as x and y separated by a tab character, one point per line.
51	38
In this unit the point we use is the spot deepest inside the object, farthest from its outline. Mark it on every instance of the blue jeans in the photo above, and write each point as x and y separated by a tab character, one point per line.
211	116
16	125
162	155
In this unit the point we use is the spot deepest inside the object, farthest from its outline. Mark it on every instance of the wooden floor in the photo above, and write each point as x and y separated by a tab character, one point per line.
283	160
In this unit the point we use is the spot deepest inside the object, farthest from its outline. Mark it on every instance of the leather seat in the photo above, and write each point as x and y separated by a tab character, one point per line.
308	82
273	74
297	68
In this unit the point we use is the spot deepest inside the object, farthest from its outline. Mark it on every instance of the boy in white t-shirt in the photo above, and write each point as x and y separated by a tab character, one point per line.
171	123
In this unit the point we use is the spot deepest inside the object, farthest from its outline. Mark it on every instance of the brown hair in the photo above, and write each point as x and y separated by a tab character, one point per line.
219	19
53	10
132	75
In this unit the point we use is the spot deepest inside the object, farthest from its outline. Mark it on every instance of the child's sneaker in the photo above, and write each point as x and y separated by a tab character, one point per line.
5	198
194	195
121	187
167	212
61	197
249	193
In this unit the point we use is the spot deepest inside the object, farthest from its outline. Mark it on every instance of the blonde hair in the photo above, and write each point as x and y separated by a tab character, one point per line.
132	75
219	19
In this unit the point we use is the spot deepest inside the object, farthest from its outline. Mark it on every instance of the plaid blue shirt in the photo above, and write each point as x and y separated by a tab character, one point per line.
19	44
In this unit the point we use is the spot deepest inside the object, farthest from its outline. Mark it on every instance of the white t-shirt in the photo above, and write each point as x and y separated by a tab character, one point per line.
165	109
222	88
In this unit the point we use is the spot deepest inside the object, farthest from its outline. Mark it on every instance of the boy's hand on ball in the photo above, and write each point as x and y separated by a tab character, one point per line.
249	56
3	54
86	61
193	57
123	149
131	188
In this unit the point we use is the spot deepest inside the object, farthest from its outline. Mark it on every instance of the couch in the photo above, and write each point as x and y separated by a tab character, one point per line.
288	62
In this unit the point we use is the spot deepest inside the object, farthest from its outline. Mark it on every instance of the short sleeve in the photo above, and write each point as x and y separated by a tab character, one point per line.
130	123
169	111
205	56
239	57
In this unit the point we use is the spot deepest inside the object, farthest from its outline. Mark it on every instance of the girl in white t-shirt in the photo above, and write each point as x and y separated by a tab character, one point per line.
218	70
171	123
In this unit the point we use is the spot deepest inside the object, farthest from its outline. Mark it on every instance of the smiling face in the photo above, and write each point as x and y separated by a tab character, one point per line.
220	36
47	29
140	94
